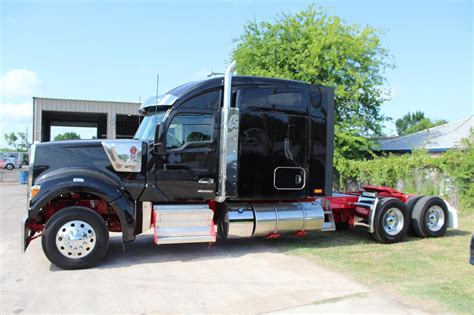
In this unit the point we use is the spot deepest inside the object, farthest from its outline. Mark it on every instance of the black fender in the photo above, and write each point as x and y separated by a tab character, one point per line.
78	180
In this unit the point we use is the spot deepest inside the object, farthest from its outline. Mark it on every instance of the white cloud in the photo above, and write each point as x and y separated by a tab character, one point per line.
20	83
15	118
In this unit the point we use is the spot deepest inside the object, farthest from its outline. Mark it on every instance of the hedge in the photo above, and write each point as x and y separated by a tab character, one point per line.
450	174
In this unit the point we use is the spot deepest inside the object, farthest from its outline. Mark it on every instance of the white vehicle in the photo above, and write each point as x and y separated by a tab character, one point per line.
11	160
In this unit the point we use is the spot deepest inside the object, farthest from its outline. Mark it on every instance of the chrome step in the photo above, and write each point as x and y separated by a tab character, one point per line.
186	239
183	223
328	225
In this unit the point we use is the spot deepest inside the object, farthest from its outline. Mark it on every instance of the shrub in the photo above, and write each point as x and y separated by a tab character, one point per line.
450	175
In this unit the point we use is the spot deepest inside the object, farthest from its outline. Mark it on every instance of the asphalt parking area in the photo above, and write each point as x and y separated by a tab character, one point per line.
248	276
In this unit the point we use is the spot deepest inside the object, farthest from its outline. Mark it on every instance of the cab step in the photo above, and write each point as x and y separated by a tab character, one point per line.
328	224
183	223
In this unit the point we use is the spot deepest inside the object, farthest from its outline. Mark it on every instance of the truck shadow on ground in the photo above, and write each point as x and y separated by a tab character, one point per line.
144	251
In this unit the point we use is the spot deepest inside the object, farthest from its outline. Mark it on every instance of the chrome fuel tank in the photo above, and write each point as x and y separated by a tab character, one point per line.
261	219
287	217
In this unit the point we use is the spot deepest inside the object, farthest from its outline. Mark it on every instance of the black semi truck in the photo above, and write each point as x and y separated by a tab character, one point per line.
227	157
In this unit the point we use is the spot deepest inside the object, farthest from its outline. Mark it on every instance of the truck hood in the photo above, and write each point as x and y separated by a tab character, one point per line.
112	155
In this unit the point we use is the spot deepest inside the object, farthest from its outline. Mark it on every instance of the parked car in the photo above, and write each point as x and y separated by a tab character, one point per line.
10	163
2	164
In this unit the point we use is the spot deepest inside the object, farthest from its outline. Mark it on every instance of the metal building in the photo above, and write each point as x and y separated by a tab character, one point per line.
112	120
435	140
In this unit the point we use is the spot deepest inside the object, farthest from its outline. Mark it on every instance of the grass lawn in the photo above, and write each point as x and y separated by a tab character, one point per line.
433	270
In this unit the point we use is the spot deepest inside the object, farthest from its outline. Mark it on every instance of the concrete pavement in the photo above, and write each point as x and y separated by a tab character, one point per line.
239	276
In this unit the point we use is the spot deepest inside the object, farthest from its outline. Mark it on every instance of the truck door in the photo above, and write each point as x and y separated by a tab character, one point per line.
189	167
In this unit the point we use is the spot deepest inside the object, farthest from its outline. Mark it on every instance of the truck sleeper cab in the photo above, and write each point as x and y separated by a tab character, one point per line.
230	157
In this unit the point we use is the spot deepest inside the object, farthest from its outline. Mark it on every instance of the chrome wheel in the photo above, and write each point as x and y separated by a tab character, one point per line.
75	239
393	221
434	218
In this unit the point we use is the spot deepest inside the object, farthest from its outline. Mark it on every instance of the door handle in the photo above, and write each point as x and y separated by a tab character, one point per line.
208	181
298	179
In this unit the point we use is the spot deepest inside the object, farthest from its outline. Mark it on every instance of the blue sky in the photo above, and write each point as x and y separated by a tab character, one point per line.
112	50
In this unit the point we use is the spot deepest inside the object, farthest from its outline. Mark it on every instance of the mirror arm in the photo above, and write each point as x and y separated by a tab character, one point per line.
158	147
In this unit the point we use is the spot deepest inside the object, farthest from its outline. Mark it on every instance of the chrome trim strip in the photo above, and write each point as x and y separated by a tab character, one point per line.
223	150
305	216
184	146
232	158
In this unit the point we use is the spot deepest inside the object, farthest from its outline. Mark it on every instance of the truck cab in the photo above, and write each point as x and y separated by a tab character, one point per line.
227	157
277	137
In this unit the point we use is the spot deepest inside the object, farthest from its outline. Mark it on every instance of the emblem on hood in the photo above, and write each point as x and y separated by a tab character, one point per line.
124	155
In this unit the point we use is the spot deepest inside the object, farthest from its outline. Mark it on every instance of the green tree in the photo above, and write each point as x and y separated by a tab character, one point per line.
23	145
411	123
11	139
317	48
67	136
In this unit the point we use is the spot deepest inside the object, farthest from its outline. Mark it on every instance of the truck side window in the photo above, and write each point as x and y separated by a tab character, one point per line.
187	129
278	98
205	101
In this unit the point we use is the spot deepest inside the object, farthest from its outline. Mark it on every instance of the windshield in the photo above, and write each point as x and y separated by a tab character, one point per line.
146	131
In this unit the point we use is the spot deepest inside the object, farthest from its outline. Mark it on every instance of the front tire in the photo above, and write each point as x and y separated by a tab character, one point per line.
75	238
430	217
9	166
391	221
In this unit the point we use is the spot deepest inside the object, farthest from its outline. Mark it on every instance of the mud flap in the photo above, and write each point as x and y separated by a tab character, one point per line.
24	234
452	216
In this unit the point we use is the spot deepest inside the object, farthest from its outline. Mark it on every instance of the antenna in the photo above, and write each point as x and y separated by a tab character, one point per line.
157	85
140	103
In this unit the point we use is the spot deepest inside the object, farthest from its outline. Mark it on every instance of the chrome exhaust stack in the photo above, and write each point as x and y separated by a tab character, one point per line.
229	128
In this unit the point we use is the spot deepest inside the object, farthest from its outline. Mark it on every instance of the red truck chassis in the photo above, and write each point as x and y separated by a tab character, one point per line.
374	208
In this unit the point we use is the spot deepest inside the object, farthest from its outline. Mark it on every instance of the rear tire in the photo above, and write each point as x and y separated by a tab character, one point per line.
411	201
9	166
430	217
75	238
391	221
